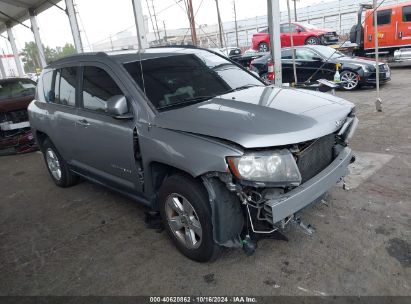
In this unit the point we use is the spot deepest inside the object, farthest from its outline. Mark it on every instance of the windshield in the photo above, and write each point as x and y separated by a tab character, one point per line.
16	88
328	52
182	79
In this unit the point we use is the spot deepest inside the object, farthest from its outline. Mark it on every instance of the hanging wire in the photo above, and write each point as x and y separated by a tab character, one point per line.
195	23
84	29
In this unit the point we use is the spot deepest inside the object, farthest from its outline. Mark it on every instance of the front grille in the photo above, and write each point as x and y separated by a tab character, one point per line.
316	157
330	34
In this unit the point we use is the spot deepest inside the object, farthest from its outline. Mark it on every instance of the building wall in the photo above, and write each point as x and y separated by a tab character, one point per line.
9	65
338	15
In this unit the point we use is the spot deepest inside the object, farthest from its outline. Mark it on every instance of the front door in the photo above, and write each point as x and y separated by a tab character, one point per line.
404	26
105	146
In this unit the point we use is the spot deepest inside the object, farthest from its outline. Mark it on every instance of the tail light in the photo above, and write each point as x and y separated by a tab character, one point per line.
270	71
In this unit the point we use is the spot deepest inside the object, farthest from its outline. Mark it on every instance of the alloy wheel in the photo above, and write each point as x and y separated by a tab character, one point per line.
263	47
349	80
53	164
312	41
183	221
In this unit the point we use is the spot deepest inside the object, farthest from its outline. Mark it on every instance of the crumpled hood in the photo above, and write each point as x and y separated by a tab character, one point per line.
261	116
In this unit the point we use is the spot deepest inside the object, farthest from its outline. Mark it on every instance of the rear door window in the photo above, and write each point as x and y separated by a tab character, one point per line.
406	13
286	54
305	54
383	17
65	86
98	88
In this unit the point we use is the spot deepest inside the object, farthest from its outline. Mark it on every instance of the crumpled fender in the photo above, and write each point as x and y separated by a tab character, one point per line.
227	215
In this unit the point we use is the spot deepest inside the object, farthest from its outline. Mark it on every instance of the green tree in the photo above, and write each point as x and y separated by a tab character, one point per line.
67	50
31	57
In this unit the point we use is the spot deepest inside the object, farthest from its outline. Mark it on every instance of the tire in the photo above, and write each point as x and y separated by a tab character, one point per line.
312	40
263	47
353	34
186	214
57	166
349	80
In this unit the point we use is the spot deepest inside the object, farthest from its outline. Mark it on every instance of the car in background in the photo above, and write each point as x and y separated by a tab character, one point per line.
303	34
15	134
228	51
319	62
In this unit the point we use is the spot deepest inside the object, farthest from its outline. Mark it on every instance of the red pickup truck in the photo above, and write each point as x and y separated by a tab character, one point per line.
303	33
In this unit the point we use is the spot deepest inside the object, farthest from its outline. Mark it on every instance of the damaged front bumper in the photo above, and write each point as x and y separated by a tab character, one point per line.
282	206
17	141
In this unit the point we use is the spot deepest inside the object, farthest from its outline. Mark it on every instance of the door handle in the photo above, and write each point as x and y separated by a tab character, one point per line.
83	122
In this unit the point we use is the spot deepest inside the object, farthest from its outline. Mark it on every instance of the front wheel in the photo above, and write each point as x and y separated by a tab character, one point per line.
349	80
312	41
263	47
186	215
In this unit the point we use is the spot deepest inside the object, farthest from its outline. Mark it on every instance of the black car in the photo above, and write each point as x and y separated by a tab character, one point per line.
319	62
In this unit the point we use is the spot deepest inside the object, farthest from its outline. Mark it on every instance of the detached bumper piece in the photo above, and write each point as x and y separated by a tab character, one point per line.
329	38
288	204
16	141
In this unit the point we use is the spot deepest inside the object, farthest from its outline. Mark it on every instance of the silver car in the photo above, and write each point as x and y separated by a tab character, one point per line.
221	156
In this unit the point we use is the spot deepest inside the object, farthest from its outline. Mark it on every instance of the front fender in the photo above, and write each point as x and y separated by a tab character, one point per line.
190	153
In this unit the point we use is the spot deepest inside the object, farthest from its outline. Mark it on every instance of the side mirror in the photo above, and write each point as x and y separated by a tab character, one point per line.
117	106
298	30
317	59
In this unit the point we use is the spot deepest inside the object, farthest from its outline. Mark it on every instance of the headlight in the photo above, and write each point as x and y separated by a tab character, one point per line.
366	68
272	167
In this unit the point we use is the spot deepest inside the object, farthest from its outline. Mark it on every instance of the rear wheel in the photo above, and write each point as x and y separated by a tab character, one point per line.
312	40
186	214
349	80
263	47
57	166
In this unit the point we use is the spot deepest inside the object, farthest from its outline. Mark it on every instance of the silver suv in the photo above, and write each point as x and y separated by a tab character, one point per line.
221	156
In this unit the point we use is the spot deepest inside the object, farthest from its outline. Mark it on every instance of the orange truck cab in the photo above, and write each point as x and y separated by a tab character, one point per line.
394	28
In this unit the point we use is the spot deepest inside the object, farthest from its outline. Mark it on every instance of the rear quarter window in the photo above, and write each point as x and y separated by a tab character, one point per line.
47	81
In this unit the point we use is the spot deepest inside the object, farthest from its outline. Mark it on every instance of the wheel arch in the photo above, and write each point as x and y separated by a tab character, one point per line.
40	139
227	216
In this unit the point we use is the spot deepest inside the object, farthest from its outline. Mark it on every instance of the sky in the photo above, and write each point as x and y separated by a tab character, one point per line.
100	19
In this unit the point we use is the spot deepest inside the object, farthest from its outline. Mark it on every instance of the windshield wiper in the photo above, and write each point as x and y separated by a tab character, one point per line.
186	101
243	87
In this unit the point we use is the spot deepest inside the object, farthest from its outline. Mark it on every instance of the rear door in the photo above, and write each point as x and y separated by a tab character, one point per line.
307	64
285	35
105	145
404	25
62	109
